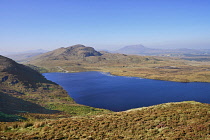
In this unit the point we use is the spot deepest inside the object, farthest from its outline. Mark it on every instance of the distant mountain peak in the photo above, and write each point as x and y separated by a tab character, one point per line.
133	49
135	46
141	50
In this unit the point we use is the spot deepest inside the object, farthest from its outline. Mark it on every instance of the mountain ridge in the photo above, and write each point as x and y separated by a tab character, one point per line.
142	50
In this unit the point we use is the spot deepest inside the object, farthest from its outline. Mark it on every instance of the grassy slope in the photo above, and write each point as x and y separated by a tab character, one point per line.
23	90
185	120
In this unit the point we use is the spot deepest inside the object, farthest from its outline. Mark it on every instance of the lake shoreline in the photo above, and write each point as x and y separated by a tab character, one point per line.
120	93
134	76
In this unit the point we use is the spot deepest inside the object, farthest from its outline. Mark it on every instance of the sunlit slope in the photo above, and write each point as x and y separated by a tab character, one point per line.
184	120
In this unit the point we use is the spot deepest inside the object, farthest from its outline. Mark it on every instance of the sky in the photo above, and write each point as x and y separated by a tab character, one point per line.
103	24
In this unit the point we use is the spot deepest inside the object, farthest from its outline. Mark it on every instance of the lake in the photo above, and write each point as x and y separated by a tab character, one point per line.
119	93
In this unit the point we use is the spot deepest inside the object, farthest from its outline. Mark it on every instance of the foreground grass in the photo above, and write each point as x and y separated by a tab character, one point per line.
185	120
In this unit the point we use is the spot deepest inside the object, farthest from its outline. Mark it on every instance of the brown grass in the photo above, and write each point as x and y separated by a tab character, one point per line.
185	120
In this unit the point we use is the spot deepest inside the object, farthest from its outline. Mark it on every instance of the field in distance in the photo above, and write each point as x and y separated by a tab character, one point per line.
80	58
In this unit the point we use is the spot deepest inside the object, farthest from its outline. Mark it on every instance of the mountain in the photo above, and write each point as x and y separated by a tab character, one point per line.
24	90
72	52
135	49
77	57
141	50
73	55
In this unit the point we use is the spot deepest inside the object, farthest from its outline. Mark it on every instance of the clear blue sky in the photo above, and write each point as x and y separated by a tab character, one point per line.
104	24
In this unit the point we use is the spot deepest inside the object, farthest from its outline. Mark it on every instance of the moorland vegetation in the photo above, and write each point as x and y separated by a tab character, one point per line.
79	58
184	120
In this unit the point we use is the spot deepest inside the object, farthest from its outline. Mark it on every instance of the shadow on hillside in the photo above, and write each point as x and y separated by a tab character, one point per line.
12	105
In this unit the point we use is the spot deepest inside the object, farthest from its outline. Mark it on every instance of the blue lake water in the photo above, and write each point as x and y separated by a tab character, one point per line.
118	93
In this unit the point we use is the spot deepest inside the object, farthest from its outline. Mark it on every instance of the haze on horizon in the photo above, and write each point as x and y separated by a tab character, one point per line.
109	25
